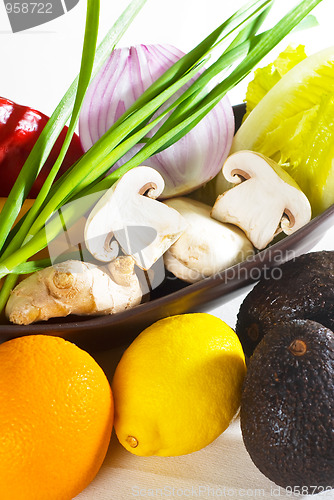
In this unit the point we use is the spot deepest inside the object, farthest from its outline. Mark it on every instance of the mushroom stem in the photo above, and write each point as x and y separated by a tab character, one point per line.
129	212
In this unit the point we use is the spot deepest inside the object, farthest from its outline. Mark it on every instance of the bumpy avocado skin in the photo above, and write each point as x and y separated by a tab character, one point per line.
302	288
287	407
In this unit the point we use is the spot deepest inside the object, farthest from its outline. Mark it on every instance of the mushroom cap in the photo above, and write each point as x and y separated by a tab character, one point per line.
181	271
206	246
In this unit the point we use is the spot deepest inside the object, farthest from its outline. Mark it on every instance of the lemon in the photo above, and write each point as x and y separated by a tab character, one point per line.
178	385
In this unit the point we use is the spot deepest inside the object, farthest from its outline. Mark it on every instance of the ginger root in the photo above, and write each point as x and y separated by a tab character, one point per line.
74	287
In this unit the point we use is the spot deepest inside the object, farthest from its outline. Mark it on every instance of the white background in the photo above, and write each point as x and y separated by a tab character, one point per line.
38	65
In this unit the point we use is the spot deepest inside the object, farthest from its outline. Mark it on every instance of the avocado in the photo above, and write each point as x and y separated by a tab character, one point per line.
302	288
287	406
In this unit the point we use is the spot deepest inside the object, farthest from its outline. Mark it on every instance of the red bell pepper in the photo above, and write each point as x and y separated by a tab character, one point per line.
20	127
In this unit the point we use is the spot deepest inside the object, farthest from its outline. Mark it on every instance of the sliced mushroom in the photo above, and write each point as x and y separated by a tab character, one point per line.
180	270
74	287
265	201
129	212
206	246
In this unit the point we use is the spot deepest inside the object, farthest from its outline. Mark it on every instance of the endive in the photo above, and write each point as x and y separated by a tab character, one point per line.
294	125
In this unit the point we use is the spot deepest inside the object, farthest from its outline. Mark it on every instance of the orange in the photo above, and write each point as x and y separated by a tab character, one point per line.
56	417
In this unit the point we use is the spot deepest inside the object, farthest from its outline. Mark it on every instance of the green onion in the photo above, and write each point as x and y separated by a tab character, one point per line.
139	114
63	111
92	61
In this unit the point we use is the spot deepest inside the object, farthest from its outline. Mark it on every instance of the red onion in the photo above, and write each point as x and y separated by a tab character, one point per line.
186	165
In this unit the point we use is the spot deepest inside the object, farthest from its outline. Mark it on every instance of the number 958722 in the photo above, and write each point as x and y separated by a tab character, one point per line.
28	8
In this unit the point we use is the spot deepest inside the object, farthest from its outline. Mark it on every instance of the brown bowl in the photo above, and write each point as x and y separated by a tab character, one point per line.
176	297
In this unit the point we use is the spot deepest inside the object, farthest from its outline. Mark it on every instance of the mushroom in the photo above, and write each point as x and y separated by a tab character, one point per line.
206	246
265	201
129	212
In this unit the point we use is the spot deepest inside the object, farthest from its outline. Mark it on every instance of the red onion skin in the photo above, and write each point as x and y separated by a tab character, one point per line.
186	165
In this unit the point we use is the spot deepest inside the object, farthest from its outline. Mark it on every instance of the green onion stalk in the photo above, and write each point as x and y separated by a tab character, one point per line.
81	186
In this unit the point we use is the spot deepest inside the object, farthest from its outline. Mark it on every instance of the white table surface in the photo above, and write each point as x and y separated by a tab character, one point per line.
37	67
